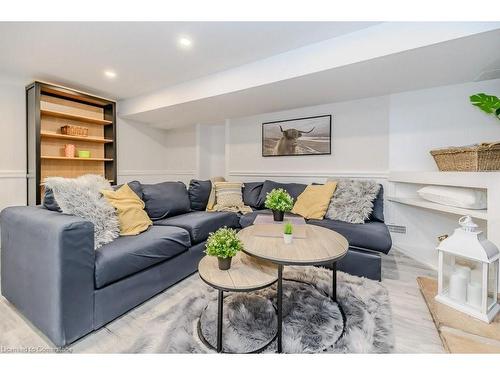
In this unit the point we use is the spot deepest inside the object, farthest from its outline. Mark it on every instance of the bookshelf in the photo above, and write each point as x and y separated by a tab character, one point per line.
49	108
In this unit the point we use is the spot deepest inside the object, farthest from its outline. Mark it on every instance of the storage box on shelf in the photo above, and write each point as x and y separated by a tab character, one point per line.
89	124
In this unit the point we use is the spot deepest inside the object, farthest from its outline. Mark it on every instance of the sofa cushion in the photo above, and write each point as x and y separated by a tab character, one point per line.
199	192
128	255
165	199
134	185
371	235
251	192
49	201
378	207
292	188
200	223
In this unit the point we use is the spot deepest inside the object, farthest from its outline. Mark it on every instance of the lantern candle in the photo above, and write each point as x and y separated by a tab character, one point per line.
474	297
463	270
458	287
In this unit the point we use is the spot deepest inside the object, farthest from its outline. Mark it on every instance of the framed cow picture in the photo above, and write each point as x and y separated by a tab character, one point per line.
300	136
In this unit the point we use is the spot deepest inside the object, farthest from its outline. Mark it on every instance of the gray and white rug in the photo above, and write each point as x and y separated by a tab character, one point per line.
312	323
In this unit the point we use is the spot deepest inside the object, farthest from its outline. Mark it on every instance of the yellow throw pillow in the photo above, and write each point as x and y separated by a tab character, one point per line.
314	201
130	210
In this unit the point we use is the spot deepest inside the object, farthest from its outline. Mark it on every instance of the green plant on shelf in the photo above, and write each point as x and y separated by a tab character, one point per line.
487	103
279	200
288	228
224	243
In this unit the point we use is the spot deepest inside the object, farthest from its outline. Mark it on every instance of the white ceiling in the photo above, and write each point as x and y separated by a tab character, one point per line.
456	61
145	55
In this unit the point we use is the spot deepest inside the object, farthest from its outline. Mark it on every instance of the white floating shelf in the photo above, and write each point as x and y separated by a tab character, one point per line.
422	203
480	180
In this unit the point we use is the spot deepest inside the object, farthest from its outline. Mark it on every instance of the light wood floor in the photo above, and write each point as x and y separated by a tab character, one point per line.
413	326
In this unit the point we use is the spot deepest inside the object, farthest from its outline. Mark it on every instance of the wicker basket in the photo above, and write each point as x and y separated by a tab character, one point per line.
75	130
481	157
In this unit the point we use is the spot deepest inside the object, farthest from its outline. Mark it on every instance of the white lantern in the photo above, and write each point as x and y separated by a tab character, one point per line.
468	272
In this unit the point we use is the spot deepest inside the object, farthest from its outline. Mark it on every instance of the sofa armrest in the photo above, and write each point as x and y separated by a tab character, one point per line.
47	270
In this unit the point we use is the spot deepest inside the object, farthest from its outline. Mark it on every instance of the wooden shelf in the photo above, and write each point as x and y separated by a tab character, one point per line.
422	203
75	117
74	159
75	137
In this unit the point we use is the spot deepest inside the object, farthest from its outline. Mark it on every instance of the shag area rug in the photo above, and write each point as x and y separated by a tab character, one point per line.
312	323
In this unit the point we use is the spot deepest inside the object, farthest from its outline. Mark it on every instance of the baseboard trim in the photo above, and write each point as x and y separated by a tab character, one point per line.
411	255
313	174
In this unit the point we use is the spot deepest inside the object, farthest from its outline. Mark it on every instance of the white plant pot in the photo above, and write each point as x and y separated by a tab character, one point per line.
288	238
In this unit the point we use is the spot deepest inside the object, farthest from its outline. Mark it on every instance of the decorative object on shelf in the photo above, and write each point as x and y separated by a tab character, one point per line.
487	103
223	244
83	154
473	199
301	136
80	131
288	232
279	201
472	158
468	272
69	150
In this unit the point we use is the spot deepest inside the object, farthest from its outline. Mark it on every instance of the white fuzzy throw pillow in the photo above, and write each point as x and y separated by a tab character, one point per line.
81	197
353	201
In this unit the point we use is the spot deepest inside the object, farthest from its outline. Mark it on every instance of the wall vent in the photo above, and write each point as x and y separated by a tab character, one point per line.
397	228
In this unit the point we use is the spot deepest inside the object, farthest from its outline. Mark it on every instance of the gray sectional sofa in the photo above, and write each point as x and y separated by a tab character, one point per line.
51	273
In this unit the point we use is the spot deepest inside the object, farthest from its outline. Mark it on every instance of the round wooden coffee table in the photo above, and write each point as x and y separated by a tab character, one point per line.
245	275
320	246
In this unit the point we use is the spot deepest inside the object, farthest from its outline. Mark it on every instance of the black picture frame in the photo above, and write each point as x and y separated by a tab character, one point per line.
263	139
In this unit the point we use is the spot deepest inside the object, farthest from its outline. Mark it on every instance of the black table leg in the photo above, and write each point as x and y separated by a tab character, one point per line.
219	320
334	282
280	307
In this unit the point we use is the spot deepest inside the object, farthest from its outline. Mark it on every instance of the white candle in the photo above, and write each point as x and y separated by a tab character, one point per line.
458	287
463	270
474	297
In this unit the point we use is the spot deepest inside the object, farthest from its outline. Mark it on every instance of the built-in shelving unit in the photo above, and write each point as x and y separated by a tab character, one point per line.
81	118
422	203
437	219
75	137
49	108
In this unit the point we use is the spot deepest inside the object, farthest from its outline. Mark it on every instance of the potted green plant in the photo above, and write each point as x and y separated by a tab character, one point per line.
288	232
279	201
223	244
487	103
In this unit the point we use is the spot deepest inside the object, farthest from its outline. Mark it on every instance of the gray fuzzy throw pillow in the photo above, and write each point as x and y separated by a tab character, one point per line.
81	197
353	201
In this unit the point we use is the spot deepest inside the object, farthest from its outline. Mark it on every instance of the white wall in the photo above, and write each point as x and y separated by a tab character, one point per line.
12	143
443	116
211	153
360	143
153	155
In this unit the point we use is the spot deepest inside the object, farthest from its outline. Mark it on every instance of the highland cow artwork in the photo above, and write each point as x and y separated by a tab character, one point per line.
302	136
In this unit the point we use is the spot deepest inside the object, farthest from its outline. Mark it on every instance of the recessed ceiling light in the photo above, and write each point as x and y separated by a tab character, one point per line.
185	42
110	74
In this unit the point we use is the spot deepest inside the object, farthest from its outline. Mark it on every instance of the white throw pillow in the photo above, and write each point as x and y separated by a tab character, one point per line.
455	196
